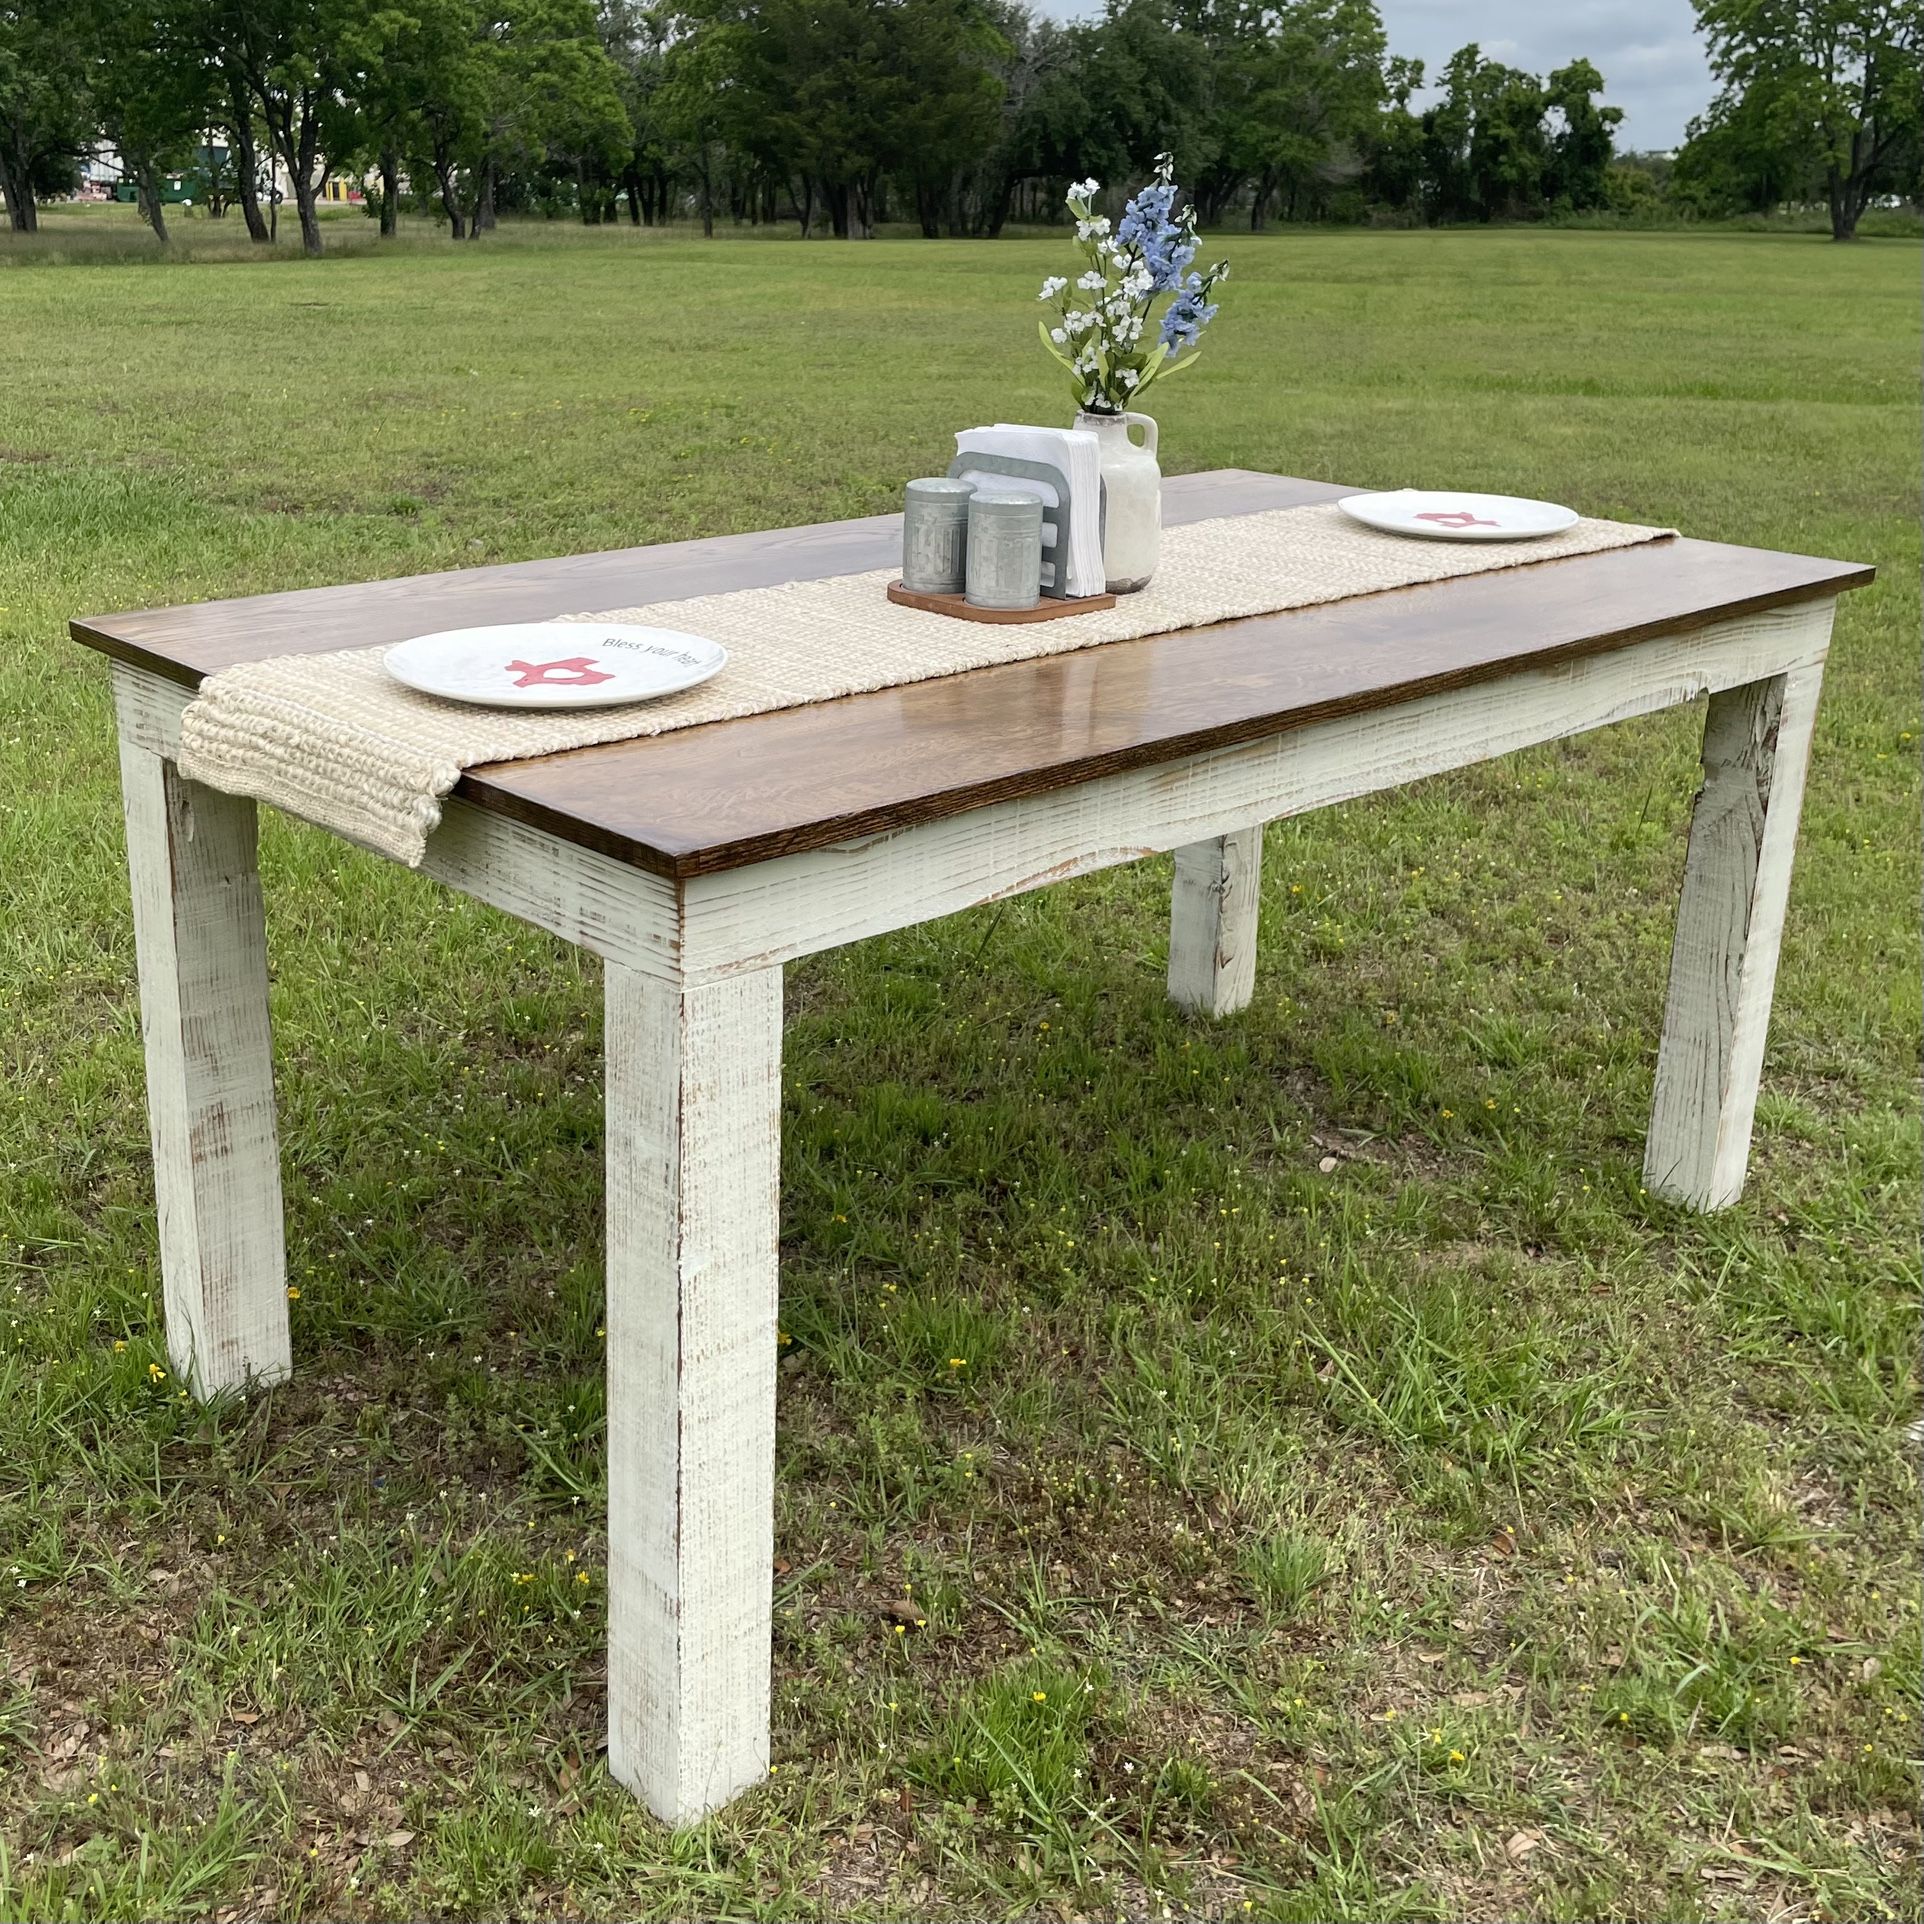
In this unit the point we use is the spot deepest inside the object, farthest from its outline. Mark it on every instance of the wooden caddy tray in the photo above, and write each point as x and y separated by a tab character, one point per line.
1049	608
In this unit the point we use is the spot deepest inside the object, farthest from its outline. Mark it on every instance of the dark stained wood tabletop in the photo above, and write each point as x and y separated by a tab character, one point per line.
704	799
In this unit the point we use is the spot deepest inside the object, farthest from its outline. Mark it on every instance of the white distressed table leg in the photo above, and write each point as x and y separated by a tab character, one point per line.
694	1120
1723	968
1212	923
202	951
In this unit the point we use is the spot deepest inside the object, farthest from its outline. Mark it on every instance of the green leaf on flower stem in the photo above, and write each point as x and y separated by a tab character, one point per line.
1042	328
1176	367
1152	365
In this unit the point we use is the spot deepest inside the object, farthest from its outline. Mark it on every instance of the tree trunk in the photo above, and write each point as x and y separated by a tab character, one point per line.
484	204
304	205
390	192
999	212
305	199
1845	206
296	135
247	162
247	186
147	194
450	206
22	216
1842	226
805	201
631	186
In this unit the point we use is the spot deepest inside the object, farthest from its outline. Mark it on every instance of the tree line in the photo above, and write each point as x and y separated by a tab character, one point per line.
960	116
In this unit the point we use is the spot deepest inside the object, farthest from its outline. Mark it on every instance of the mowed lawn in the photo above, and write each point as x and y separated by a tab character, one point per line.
1452	1532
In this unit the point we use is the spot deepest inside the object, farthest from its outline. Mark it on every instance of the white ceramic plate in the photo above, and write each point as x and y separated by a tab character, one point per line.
555	664
1438	516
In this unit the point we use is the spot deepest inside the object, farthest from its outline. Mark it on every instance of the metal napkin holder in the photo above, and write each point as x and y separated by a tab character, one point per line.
1055	571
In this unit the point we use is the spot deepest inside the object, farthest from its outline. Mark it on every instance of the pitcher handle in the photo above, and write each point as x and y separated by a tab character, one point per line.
1149	430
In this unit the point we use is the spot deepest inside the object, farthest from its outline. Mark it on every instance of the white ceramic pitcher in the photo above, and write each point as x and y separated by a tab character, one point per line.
1132	499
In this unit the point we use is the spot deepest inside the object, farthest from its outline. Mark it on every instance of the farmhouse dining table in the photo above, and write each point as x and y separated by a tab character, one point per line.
696	863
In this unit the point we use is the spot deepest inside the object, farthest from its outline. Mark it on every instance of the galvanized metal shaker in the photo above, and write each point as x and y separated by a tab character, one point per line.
935	535
1005	551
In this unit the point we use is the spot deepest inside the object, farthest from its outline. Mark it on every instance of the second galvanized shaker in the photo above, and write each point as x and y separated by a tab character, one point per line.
935	535
1005	551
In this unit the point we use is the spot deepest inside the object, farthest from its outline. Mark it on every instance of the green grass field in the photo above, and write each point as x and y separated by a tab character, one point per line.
1454	1534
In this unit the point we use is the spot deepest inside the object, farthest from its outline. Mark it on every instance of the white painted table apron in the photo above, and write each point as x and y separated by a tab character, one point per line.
694	1022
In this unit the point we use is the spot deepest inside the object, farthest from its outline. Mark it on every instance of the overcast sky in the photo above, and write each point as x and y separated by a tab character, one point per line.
1647	50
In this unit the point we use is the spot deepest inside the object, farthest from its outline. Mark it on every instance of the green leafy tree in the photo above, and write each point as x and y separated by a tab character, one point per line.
439	77
948	60
1042	122
204	30
574	125
1393	169
548	99
152	91
1485	146
836	98
1841	80
1747	155
1320	91
636	35
1147	82
1583	143
46	118
712	76
404	64
296	59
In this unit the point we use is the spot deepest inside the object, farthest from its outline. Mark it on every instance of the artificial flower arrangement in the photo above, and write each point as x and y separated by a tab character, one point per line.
1102	334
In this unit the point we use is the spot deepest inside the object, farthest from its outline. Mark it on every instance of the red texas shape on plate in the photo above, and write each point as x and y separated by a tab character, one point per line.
575	671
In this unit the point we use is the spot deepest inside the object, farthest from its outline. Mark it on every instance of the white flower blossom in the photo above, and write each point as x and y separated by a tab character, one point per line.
1085	190
1096	228
1130	377
1092	282
1059	335
1052	287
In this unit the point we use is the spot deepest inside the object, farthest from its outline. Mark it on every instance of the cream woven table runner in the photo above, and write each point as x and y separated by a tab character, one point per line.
336	740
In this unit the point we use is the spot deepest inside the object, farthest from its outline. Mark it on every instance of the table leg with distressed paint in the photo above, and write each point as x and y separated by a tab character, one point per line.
201	947
1212	922
694	1096
1730	921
